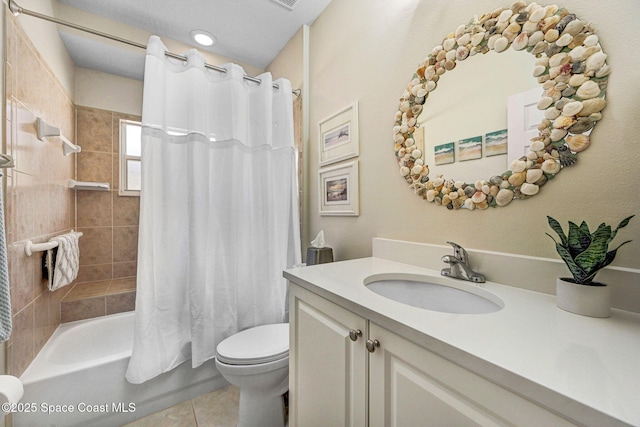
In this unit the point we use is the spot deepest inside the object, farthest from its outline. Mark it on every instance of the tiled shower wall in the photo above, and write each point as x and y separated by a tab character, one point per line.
109	247
38	202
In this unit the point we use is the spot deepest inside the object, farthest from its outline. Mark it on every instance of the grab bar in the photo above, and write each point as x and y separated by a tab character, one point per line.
30	247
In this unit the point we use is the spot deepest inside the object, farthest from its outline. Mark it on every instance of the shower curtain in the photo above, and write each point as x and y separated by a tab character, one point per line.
218	209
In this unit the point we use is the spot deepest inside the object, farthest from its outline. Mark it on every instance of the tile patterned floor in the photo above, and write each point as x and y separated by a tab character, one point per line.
216	409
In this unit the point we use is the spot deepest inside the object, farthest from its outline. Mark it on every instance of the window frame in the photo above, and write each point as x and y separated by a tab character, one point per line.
124	157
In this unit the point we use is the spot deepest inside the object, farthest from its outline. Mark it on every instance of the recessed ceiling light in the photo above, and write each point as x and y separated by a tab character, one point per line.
202	37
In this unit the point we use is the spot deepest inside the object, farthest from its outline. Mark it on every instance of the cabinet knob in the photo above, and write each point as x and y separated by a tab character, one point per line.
372	345
354	334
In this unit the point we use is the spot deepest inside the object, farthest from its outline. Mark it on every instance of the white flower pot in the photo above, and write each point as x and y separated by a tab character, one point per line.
587	300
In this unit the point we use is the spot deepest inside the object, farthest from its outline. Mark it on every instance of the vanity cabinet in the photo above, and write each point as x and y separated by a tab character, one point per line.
335	380
328	370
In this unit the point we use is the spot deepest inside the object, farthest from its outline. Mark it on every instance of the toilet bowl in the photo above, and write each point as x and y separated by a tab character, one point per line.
257	361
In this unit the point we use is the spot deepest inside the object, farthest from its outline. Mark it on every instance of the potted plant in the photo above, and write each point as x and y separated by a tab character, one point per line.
585	253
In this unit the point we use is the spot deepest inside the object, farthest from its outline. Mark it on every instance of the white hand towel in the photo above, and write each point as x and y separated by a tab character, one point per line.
67	261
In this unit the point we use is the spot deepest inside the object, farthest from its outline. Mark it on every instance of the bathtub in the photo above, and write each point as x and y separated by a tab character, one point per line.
78	378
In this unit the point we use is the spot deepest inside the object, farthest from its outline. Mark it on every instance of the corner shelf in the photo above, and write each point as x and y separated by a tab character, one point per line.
85	185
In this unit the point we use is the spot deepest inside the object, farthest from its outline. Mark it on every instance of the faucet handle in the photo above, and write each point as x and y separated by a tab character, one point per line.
459	252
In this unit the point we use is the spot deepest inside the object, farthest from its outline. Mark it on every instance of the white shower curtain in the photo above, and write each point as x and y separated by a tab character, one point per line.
218	209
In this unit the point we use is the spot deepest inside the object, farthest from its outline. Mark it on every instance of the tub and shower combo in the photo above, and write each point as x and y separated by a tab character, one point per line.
78	378
196	290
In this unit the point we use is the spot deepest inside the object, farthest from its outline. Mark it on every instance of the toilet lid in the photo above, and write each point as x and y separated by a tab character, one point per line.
260	344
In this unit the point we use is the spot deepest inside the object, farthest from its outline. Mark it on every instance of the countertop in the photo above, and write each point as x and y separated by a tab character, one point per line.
530	347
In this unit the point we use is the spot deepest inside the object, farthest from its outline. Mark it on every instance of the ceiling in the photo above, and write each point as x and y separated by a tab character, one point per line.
248	31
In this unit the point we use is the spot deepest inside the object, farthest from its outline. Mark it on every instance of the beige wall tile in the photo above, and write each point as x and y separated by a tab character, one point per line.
124	269
31	154
41	206
119	303
96	246
122	285
82	309
42	322
23	200
125	244
54	299
20	277
95	166
126	210
87	290
22	341
94	129
94	208
31	77
95	273
61	199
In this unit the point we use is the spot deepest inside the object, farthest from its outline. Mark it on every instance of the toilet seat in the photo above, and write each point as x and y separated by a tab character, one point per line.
260	344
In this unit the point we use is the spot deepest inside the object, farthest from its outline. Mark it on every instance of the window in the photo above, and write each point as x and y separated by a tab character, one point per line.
130	158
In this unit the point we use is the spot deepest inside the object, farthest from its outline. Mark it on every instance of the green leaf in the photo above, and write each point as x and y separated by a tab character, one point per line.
555	226
577	272
606	261
584	227
596	253
578	240
622	224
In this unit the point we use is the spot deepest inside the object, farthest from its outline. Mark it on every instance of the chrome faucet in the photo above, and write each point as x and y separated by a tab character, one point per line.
459	265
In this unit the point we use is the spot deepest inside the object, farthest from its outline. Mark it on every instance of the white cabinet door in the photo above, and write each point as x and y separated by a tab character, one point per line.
327	384
410	386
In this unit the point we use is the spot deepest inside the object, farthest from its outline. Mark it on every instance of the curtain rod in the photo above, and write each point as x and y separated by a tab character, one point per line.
18	10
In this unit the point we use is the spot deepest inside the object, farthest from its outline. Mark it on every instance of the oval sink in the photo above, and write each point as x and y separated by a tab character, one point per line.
434	293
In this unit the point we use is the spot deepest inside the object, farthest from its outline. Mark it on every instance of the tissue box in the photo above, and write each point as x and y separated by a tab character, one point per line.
319	255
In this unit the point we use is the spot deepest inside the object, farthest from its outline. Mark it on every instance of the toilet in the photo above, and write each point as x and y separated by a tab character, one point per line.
257	361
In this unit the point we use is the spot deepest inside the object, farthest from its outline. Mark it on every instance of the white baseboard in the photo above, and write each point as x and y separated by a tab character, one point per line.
532	273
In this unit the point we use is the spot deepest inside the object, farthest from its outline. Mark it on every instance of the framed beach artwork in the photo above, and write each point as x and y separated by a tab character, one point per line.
495	143
339	136
444	153
470	148
339	190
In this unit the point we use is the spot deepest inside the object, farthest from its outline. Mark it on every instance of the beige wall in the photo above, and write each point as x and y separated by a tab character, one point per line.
289	62
367	51
108	92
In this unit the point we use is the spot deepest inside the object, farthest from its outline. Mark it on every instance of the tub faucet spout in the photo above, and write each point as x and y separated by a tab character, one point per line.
459	265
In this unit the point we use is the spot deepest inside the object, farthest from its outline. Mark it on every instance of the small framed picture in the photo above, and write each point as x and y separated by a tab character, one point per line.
339	136
444	153
339	190
470	148
495	143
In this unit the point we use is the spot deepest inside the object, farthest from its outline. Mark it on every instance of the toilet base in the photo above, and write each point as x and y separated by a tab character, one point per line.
260	410
262	388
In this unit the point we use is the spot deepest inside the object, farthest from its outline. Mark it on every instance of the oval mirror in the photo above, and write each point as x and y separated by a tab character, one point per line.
571	71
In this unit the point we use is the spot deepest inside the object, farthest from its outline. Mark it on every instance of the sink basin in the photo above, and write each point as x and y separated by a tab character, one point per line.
434	293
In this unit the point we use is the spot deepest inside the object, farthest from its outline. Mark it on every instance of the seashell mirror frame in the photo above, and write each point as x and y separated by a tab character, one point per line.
570	66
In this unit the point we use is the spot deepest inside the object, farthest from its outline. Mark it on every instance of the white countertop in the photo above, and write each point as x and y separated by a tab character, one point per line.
530	346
